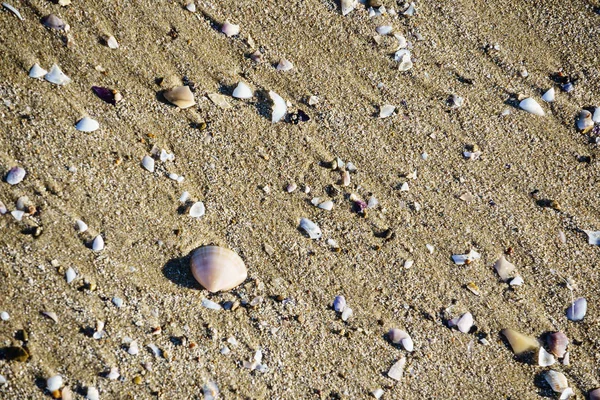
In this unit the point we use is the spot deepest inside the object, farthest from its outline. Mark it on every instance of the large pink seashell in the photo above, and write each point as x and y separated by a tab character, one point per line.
217	268
557	343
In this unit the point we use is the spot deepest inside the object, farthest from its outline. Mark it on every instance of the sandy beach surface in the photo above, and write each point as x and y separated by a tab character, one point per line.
528	193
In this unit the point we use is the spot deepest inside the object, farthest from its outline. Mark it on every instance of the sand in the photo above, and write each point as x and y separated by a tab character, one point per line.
240	165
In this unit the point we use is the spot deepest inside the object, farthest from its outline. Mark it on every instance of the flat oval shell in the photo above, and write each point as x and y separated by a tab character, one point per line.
339	303
312	230
217	268
15	175
584	121
556	380
230	29
557	343
52	21
577	310
180	96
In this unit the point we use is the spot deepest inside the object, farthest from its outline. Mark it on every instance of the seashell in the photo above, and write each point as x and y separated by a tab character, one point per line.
113	375
313	100
346	314
148	163
133	348
531	106
596	115
66	393
557	343
87	124
18	215
519	342
347	6
545	359
3	209
402	43
568	87
465	322
217	268
56	76
594	394
111	42
197	210
181	96
566	394
4	316
284	65
549	96
585	122
339	303
291	187
81	226
326	205
398	336
210	391
377	393
372	202
70	275
556	380
461	259
92	393
257	56
108	95
37	72
404	58
384	29
13	10
345	178
219	100
230	29
54	383
51	315
565	359
242	91
312	230
504	268
386	110
184	197
53	22
397	369
15	175
98	243
593	237
211	305
408	264
410	11
279	107
516	281
577	310
404	187
191	6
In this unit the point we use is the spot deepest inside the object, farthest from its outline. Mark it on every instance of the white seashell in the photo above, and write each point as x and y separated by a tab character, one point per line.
504	268
577	309
279	107
384	29
17	214
210	391
197	210
430	248
373	202
347	313
2	380
15	175
242	91
37	72
461	259
556	380
230	29
211	305
404	187
403	57
347	6
397	369
386	110
86	124
184	197
181	96
584	122
81	226
402	43
545	359
118	302
13	10
3	209
284	65
51	315
593	236
219	100
531	106
410	11
112	43
98	243
312	230
191	6
596	116
4	316
217	269
326	205
566	394
70	275
54	22
549	96
398	336
133	348
377	393
518	342
56	76
92	393
291	187
113	375
313	100
54	383
408	264
148	163
465	322
339	303
516	281
345	178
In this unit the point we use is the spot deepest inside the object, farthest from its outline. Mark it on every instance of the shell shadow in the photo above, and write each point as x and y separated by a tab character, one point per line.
544	389
177	270
263	103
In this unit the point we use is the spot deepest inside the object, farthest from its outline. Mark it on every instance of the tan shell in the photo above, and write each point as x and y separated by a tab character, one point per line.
519	342
181	96
217	268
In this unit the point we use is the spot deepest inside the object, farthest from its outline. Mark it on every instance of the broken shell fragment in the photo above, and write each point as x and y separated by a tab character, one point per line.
56	76
197	210
98	243
461	259
465	322
557	343
398	336
52	21
386	110
17	14
242	91
54	383
148	163
596	115
556	380
593	237
504	268
545	359
531	106
403	57
577	309
37	72
548	97
180	96
594	394
279	107
230	29
87	124
585	122
219	100
347	6
397	369
284	65
217	268
111	42
191	6
518	342
312	230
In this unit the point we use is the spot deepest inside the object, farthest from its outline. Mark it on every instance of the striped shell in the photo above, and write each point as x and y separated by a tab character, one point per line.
217	268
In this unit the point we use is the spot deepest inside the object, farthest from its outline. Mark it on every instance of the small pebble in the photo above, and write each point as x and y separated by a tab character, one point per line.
133	348
92	393
15	175
54	383
197	210
4	316
346	314
70	275
118	302
148	163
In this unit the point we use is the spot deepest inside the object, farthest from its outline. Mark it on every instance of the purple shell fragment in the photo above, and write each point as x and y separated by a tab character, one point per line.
105	94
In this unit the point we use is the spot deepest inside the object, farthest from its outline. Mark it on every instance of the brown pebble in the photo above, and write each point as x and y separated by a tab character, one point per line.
300	318
138	380
56	394
279	298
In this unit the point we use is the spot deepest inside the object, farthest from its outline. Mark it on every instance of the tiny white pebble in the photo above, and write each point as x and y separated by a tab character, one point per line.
81	226
430	248
118	302
92	394
148	163
180	179
408	264
173	176
184	197
54	383
346	314
17	214
197	210
4	316
70	275
133	348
